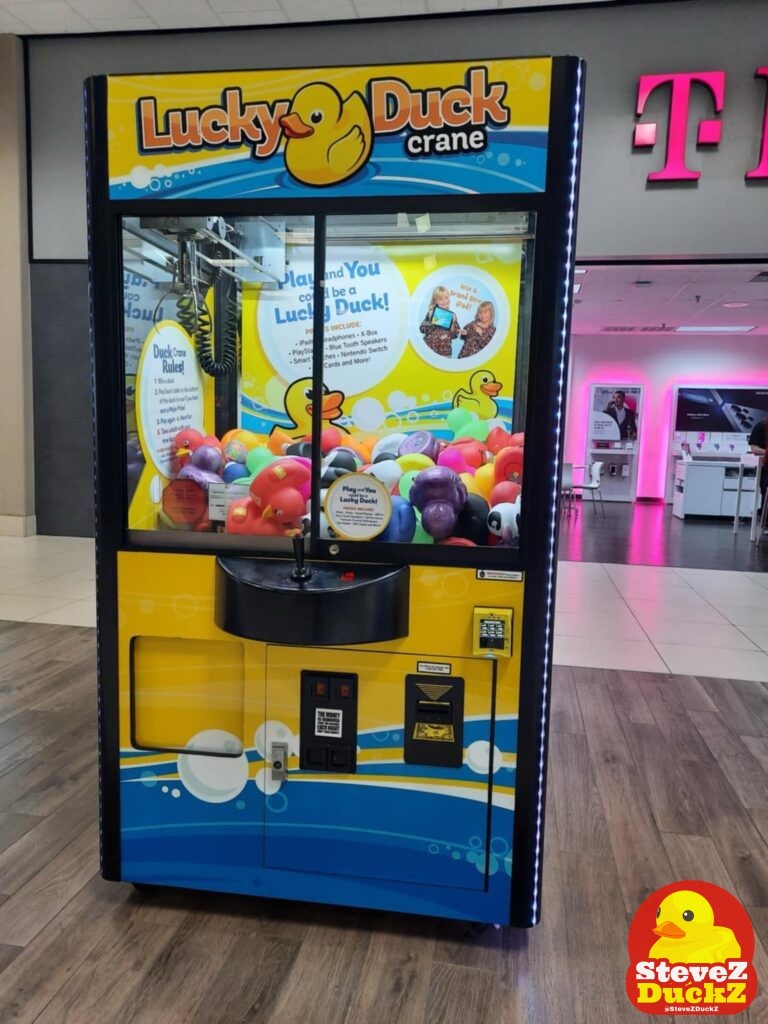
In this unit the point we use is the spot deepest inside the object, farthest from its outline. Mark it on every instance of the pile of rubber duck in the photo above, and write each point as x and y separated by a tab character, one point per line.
464	490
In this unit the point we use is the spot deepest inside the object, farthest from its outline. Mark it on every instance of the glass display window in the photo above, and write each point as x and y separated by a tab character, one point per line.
353	378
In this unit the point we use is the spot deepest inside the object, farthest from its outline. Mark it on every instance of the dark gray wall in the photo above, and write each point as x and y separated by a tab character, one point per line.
62	400
619	215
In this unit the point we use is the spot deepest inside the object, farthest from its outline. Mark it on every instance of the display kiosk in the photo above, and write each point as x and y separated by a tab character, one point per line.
330	317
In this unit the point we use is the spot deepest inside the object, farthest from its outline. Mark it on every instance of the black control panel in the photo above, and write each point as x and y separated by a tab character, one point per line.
328	722
434	720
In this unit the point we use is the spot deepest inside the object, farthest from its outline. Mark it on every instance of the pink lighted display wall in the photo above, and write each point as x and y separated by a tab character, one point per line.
660	363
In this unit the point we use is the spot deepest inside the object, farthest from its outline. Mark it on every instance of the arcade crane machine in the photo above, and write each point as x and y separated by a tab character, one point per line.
330	314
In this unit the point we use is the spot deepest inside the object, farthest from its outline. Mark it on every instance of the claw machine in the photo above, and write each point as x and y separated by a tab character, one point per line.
330	314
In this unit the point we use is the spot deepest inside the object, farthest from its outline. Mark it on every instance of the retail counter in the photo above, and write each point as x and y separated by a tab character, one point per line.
708	488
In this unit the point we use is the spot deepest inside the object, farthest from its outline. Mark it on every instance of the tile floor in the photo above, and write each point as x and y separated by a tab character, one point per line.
644	618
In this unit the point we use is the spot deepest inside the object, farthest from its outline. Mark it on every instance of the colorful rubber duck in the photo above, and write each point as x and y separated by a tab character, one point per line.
299	404
277	490
329	139
478	396
688	933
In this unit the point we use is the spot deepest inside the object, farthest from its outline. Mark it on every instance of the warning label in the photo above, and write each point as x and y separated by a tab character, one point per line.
328	722
498	574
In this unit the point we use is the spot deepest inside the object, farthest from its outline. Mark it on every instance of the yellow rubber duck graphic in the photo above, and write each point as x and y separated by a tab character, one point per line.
688	933
329	139
478	396
299	404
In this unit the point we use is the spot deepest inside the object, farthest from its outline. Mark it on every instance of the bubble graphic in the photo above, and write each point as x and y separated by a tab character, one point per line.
476	842
368	414
185	605
268	732
396	400
275	392
277	803
456	855
478	757
213	779
148	779
140	176
240	805
412	417
503	159
537	82
147	606
499	846
175	793
265	783
164	789
433	848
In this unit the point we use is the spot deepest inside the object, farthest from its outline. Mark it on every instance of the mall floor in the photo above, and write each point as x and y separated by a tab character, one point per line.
658	770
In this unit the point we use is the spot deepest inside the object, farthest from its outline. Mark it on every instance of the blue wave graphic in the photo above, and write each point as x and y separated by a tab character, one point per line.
513	162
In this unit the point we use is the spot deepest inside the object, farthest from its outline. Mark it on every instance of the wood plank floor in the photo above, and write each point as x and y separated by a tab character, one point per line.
652	778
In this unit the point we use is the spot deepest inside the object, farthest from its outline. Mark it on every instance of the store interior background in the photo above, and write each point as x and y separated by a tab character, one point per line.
625	331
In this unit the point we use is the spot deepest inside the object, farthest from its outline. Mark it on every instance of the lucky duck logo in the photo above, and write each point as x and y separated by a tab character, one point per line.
329	138
691	946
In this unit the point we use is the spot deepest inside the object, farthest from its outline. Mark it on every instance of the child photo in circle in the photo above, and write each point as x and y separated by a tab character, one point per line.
478	333
440	325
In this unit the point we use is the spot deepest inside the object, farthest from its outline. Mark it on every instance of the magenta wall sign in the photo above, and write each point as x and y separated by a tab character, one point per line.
709	132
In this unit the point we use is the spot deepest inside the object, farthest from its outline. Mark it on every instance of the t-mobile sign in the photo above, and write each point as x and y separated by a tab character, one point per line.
681	87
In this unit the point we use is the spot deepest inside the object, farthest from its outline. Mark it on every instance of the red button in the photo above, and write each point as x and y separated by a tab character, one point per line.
345	690
347	576
320	689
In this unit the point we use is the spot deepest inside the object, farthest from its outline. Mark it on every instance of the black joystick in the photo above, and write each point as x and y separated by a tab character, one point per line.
300	572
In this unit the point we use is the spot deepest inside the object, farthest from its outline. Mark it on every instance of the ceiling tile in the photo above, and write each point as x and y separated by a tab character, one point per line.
145	24
49	16
107	9
307	10
246	18
446	6
12	25
182	9
255	7
395	8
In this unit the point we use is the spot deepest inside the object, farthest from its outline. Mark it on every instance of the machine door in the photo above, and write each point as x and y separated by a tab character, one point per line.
386	774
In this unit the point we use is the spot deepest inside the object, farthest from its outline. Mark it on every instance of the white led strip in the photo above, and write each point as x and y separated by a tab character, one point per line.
552	553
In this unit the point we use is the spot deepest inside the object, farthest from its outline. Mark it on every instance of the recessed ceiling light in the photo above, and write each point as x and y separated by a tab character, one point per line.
643	284
734	329
735	305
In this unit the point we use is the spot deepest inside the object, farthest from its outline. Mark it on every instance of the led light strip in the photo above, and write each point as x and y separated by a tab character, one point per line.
567	283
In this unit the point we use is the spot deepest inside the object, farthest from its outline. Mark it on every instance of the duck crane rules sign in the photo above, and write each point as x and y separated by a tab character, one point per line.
691	946
446	128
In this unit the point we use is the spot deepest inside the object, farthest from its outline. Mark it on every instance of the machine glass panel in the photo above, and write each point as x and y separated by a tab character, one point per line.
209	345
426	349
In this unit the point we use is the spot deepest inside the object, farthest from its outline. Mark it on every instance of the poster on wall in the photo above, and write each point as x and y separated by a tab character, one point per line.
614	419
726	410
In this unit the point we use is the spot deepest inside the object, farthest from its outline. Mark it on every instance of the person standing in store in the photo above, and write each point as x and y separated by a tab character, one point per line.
618	410
757	440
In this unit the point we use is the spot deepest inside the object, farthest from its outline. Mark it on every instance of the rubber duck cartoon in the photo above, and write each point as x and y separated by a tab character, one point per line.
329	139
478	395
299	404
688	933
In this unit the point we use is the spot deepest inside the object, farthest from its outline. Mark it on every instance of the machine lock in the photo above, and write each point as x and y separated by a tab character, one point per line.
434	720
328	722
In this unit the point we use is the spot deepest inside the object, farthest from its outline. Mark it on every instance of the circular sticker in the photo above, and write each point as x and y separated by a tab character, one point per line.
357	506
